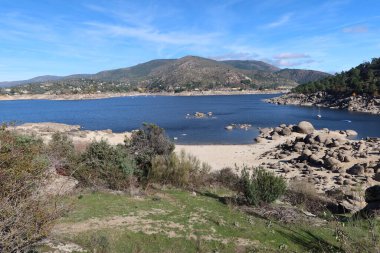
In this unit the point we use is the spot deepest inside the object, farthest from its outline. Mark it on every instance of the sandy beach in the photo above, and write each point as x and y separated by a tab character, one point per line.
270	153
217	156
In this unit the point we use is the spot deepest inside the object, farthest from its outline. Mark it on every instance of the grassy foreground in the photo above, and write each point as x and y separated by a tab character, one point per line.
177	221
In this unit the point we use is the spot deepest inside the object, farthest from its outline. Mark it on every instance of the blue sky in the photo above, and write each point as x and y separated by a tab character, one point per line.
61	37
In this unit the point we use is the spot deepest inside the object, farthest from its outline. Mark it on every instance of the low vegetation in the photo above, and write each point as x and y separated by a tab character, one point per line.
261	187
177	203
26	215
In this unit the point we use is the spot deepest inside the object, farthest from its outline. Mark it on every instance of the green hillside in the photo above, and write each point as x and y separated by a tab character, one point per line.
363	79
171	75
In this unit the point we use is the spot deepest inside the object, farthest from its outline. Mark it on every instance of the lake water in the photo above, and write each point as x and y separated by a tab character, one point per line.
169	112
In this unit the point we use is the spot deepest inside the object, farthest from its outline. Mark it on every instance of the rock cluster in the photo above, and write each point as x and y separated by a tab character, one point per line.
357	103
200	115
327	159
275	133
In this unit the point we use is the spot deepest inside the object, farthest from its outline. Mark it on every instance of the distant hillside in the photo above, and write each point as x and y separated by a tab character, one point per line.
363	79
302	76
252	65
33	80
184	74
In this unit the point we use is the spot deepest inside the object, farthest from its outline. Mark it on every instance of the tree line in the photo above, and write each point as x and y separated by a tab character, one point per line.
361	80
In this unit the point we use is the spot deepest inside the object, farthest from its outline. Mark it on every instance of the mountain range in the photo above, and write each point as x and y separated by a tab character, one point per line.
190	72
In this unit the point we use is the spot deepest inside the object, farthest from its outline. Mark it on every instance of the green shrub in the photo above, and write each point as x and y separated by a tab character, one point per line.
226	177
181	171
145	144
62	154
303	194
26	215
262	186
21	159
103	165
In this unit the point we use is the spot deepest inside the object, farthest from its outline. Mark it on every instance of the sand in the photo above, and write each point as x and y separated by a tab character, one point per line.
217	156
221	156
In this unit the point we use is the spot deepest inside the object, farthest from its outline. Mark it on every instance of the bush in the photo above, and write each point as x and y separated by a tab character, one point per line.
303	194
62	154
262	186
145	144
181	171
227	178
103	165
26	215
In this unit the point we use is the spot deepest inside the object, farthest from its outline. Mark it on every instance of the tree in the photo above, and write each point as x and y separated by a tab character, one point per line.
146	143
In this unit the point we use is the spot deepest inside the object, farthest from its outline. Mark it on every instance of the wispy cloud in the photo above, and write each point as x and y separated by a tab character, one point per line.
150	34
356	29
279	22
288	63
284	56
235	56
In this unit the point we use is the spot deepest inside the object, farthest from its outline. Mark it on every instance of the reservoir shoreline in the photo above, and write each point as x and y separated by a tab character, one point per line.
133	94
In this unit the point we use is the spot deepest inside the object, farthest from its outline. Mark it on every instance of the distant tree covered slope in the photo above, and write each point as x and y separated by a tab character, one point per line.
174	75
363	79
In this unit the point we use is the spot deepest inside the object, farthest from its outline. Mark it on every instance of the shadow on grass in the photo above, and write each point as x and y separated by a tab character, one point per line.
309	241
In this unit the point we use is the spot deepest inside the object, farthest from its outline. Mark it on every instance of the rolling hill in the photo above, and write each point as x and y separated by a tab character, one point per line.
187	73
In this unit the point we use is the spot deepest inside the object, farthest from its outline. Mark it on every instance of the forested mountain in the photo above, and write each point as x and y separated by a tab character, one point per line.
302	76
252	65
363	79
173	75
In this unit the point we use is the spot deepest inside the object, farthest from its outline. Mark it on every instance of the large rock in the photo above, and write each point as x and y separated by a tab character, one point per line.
351	133
377	177
332	163
264	131
357	170
372	197
259	139
313	159
286	131
275	136
304	127
372	194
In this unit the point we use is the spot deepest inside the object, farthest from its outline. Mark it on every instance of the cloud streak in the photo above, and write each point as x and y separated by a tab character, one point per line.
150	34
284	56
356	29
280	22
235	56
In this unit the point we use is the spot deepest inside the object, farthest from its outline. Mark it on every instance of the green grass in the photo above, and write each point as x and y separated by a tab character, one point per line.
176	221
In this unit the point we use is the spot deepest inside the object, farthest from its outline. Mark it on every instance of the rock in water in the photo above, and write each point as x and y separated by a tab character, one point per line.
305	127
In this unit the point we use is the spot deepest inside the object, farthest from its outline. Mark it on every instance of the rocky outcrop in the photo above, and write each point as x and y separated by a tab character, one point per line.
372	197
358	103
327	159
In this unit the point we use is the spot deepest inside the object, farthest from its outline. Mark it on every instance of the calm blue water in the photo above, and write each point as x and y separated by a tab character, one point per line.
125	114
